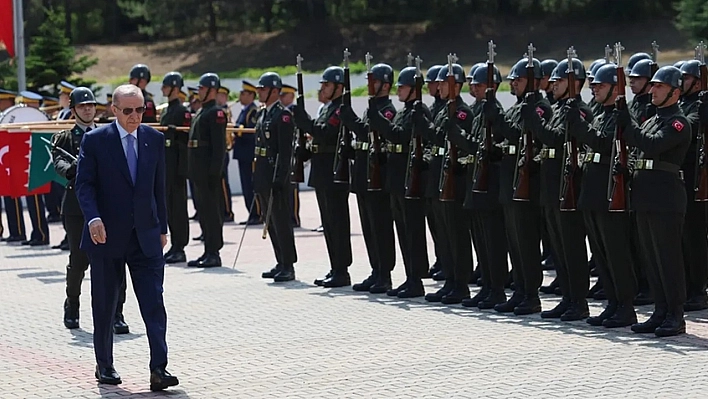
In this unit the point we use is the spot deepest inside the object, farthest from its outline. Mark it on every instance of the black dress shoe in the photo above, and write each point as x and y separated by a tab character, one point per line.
228	218
176	257
71	314
320	281
556	312
37	243
510	304
194	217
439	294
530	305
606	314
195	262
64	246
272	272
494	298
16	239
643	298
476	275
433	269
287	274
600	295
250	222
120	326
161	379
395	291
210	260
548	263
412	290
53	219
456	296
673	324
107	375
366	284
439	276
696	303
198	238
550	288
594	289
624	316
319	229
651	324
475	300
338	279
383	284
577	311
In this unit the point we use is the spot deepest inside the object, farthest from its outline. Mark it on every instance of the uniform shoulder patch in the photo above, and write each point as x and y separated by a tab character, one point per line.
678	125
540	111
220	113
388	114
286	118
220	117
461	115
582	114
187	115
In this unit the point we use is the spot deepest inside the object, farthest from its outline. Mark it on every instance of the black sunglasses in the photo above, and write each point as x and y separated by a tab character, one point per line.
128	111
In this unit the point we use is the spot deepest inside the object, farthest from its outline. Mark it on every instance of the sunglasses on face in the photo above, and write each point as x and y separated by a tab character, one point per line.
128	111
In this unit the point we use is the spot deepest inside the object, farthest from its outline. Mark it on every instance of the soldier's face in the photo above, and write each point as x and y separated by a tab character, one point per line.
545	84
222	98
600	91
636	84
433	88
518	86
404	93
246	97
478	90
327	90
166	91
444	91
690	83
85	112
265	95
560	86
63	100
287	98
659	93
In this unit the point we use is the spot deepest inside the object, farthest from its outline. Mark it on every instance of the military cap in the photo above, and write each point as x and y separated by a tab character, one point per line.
248	86
224	89
66	87
182	96
288	89
193	90
101	107
7	95
109	97
28	97
49	101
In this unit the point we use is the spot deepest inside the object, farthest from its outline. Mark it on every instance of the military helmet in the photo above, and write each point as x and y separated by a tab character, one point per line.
670	75
692	67
140	71
594	66
173	79
642	69
636	57
474	68
81	95
432	73
480	75
382	73
457	71
270	79
561	71
406	77
605	74
210	80
547	67
679	64
519	69
333	74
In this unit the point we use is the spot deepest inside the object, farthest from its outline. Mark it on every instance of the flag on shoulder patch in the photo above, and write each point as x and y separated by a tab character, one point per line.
388	114
582	114
540	111
286	118
461	115
677	125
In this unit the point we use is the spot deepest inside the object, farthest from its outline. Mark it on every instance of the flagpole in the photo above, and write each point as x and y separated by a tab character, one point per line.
20	44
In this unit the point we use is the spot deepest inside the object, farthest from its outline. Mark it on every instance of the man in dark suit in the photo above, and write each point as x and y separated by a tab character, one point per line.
120	184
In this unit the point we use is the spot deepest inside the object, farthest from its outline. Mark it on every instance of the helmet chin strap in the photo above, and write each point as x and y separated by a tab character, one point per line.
609	93
668	96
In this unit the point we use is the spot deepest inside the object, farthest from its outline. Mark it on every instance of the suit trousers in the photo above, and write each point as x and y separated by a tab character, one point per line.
147	274
334	210
279	227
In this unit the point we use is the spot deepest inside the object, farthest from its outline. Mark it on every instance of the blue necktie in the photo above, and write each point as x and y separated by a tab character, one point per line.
132	157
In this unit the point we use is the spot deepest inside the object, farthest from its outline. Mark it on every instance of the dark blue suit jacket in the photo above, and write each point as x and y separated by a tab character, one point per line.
104	189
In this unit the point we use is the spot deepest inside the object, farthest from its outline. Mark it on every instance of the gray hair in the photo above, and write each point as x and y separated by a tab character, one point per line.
126	91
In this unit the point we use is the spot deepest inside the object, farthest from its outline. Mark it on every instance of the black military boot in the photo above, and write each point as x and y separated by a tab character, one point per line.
606	314
383	283
272	272
652	323
338	279
624	316
175	256
414	289
286	274
494	298
673	324
320	281
71	313
212	259
550	288
475	300
367	283
558	311
439	276
578	310
119	325
195	262
511	303
438	295
530	305
457	295
434	269
696	303
395	291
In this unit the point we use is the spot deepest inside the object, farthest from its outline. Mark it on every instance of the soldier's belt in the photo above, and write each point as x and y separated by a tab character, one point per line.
360	145
394	148
261	151
548	153
509	149
168	143
323	148
197	144
468	160
594	157
650	164
438	151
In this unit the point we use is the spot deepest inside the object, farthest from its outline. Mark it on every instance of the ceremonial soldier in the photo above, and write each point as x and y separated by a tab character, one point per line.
695	230
523	213
271	177
332	198
287	98
13	206
374	205
195	104
176	115
436	271
222	98
205	154
65	89
609	231
140	76
566	229
658	196
547	67
244	145
594	106
35	202
64	154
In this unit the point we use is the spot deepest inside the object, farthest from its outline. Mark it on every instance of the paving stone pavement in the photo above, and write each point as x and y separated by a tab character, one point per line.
232	334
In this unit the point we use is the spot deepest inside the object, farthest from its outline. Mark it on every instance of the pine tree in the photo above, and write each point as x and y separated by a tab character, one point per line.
692	16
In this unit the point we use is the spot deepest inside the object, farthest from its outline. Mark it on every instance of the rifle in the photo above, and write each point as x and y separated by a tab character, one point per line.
701	176
298	175
608	53
522	182
655	57
480	182
447	179
414	189
63	151
373	166
341	163
616	186
568	196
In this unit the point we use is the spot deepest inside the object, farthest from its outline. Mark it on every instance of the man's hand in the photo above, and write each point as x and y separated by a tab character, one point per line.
163	240
98	232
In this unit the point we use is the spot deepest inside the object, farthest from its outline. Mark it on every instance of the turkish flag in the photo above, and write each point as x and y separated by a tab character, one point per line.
5	187
7	33
19	155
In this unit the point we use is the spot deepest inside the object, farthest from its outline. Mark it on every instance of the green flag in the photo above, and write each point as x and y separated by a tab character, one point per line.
41	166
